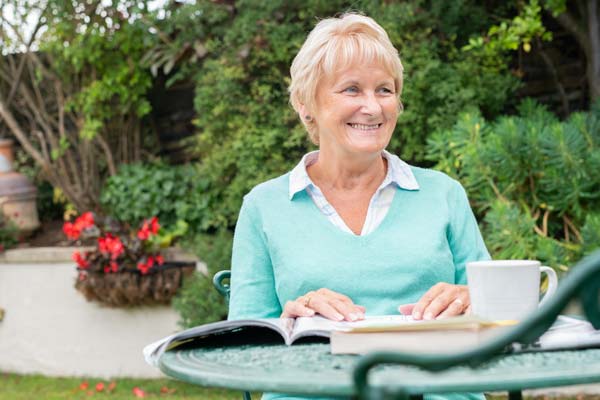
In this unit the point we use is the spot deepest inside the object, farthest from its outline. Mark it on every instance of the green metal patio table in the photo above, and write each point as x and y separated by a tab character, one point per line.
310	369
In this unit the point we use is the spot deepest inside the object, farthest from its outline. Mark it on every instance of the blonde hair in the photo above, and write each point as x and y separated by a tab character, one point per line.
333	45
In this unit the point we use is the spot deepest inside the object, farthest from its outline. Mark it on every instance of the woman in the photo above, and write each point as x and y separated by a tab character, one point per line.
352	229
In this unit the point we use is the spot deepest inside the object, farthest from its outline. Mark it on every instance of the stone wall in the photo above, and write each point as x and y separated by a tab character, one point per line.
49	328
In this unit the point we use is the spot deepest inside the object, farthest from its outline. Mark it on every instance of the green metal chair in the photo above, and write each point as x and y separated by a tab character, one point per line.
223	288
583	283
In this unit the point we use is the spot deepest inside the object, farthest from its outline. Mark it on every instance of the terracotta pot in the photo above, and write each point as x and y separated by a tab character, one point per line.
17	194
6	150
131	288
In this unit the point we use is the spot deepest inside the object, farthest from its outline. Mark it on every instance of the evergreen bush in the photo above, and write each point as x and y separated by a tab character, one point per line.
532	179
247	131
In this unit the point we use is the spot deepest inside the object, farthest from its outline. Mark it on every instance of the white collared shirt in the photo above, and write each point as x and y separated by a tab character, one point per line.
398	174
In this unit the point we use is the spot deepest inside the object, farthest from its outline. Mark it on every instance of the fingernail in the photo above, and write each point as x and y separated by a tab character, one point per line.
310	312
416	315
428	316
353	317
338	317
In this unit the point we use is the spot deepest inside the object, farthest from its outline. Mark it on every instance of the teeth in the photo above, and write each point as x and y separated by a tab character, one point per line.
365	127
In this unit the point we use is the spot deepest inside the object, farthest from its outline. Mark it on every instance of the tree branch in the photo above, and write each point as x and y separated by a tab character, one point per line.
16	130
569	22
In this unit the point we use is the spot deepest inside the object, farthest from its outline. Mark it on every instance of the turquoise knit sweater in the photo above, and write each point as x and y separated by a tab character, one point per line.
285	247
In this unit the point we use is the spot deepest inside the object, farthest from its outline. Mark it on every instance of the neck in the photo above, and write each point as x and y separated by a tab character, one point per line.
348	172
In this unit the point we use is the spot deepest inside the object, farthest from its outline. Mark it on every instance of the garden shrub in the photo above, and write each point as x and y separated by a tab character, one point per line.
247	131
9	233
198	302
141	190
532	179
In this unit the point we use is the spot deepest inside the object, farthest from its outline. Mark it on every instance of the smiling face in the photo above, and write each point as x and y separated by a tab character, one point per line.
356	110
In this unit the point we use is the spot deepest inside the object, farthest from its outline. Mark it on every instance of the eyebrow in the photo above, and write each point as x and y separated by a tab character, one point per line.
353	82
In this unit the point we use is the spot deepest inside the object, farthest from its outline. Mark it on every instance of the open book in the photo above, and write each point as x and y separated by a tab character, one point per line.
396	332
302	329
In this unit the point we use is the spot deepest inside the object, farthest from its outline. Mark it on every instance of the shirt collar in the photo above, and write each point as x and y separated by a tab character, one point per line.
398	173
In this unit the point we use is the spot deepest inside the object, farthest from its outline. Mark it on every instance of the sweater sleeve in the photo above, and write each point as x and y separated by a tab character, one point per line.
464	236
252	282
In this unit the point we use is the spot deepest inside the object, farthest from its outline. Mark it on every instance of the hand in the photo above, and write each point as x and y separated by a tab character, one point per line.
442	300
326	302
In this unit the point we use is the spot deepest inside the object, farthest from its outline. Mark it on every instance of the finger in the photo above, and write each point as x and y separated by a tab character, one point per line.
293	309
323	307
338	296
425	300
440	303
351	312
456	307
406	309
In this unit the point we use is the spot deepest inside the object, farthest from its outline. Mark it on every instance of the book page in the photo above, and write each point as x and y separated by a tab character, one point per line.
321	326
394	323
565	333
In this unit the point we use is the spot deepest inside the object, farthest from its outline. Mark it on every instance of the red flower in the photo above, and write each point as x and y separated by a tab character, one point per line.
137	392
84	221
99	386
111	245
70	230
154	226
159	259
84	385
145	267
148	229
114	267
80	259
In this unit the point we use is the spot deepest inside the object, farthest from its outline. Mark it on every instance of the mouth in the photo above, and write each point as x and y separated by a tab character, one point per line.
365	127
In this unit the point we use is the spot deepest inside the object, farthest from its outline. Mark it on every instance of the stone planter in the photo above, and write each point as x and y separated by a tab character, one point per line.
131	288
17	194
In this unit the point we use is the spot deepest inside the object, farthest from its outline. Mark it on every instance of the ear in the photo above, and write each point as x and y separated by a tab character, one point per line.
302	111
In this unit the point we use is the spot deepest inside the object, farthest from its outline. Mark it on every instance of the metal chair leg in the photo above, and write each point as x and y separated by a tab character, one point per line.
516	395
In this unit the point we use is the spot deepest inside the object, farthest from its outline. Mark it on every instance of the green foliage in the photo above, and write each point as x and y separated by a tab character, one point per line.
96	50
532	179
8	233
513	34
198	302
141	190
248	133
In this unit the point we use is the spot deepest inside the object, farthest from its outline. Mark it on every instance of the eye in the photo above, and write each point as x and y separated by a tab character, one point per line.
386	90
351	89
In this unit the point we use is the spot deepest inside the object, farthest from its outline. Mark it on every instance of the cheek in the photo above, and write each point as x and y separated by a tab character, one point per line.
391	110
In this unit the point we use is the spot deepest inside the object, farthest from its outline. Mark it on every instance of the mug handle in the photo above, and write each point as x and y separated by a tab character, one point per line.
552	282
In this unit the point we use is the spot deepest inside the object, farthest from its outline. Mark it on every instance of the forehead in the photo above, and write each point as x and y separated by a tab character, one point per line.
359	73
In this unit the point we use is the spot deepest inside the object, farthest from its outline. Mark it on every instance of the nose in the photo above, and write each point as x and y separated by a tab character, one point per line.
371	104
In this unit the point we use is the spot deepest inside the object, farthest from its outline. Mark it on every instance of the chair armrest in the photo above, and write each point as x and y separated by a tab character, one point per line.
583	282
222	288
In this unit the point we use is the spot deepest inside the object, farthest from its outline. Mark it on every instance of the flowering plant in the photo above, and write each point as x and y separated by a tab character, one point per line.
120	248
126	267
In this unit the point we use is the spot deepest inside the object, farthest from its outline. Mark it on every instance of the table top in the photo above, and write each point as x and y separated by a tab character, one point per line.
311	369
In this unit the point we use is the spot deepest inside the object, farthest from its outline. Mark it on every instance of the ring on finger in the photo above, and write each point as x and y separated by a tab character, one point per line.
459	303
306	302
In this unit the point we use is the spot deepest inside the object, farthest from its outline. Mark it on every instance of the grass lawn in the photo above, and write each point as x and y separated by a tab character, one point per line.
26	387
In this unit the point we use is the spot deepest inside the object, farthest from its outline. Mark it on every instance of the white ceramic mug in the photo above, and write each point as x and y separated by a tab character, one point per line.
507	289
